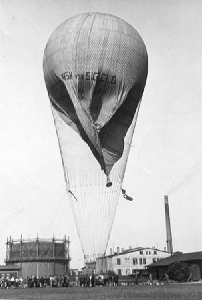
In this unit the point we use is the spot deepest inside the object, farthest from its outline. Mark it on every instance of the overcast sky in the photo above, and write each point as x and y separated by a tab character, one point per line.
166	153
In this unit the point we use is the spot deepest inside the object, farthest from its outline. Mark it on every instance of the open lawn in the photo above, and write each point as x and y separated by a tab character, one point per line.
162	292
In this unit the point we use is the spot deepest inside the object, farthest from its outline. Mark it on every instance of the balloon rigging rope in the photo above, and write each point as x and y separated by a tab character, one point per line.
60	147
89	196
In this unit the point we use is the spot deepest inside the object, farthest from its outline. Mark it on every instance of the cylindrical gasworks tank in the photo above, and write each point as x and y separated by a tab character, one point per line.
39	257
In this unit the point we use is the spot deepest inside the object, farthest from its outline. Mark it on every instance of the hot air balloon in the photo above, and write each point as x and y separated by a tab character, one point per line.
95	69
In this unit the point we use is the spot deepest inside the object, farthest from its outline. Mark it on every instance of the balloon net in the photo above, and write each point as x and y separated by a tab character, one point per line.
92	203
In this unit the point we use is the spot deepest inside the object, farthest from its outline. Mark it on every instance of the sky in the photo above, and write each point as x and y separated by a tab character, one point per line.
165	157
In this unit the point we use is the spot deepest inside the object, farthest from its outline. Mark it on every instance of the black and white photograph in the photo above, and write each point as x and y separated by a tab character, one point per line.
101	149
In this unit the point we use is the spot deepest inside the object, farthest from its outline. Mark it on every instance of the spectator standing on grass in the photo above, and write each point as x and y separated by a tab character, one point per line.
21	282
93	280
63	280
82	280
166	278
41	282
28	282
35	282
150	279
51	281
60	281
67	280
87	280
12	281
116	280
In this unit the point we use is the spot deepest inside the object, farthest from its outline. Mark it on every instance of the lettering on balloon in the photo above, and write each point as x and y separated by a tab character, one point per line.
66	76
89	76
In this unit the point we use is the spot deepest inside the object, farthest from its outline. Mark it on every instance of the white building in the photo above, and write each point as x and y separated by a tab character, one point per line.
130	261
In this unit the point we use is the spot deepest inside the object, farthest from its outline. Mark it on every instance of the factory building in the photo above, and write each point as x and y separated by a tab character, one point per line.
38	257
130	261
192	260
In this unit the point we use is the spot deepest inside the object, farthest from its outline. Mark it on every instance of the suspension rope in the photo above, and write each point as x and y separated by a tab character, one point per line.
92	203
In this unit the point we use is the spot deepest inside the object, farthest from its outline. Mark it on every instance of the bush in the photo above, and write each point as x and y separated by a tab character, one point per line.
178	271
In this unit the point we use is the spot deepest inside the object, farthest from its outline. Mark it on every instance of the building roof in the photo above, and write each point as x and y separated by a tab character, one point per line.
9	268
130	250
193	256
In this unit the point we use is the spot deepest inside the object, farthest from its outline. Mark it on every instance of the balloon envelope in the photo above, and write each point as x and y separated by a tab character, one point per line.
95	69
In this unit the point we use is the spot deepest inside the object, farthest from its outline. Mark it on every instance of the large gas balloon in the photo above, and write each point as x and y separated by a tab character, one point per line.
95	69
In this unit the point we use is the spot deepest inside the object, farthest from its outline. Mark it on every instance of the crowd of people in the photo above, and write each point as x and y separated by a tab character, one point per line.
6	282
48	281
83	280
98	280
59	281
33	281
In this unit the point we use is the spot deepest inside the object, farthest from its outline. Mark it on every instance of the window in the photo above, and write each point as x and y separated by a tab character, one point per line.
127	259
154	260
135	261
119	272
141	252
144	261
140	261
155	252
127	271
146	252
118	261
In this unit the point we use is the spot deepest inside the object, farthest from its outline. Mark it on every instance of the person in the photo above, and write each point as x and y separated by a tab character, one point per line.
81	280
51	281
67	281
35	281
116	280
87	280
150	279
21	282
42	282
166	278
12	282
93	280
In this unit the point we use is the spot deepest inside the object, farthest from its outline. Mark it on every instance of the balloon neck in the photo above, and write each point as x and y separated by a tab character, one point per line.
108	183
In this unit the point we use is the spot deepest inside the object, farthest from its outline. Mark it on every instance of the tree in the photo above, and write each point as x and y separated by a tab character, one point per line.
178	271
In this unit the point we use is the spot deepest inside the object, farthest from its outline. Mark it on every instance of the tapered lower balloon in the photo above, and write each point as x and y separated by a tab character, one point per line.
93	204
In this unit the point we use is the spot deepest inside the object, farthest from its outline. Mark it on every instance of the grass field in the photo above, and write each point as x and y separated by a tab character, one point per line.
165	292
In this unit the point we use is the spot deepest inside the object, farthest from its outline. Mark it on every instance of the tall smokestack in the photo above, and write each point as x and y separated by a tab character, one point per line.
168	227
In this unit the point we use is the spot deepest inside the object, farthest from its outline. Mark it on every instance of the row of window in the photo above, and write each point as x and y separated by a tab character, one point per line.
142	261
128	271
148	252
